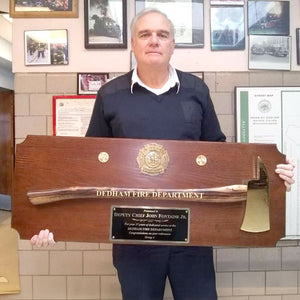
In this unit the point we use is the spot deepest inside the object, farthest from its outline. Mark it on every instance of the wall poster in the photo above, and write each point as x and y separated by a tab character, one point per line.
272	115
72	114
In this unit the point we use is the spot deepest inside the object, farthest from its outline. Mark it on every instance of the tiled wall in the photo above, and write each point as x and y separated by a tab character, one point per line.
85	271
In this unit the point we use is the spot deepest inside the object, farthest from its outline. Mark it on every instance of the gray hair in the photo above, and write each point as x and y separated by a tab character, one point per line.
146	11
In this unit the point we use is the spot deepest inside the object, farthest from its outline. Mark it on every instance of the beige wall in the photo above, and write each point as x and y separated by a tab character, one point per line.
84	60
83	270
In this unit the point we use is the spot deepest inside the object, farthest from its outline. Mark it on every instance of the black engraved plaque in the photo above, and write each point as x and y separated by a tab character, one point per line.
149	224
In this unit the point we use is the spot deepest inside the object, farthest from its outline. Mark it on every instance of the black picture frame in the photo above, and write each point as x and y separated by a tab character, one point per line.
46	47
105	26
227	26
269	18
187	17
298	45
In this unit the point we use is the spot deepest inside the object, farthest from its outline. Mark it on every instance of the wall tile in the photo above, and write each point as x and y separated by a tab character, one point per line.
224	283
281	282
81	246
269	78
34	262
248	283
226	82
291	79
61	83
265	259
227	125
83	287
290	258
223	103
66	263
40	104
49	287
210	80
21	104
30	83
110	288
98	263
29	125
232	259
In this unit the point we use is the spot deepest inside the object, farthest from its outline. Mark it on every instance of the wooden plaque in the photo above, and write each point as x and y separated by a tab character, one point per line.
81	179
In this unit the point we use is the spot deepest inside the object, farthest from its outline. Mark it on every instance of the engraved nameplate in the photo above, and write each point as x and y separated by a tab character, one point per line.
152	224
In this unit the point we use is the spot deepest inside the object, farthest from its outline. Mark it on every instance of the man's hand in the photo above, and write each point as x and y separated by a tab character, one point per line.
286	173
44	238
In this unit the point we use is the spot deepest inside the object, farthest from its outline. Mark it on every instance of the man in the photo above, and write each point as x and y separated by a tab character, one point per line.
155	101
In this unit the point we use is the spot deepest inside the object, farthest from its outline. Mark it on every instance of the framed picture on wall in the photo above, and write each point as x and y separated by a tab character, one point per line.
226	2
72	114
90	83
43	9
46	47
187	17
105	24
267	52
269	17
298	45
227	28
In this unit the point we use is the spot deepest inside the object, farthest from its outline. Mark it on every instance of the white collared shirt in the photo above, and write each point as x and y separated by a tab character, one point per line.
172	81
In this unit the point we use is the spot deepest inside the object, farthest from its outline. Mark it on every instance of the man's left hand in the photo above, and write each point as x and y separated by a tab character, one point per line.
286	173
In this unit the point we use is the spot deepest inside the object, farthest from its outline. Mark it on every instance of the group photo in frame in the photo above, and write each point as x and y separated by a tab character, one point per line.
90	83
269	52
189	30
46	47
269	17
227	28
105	24
43	9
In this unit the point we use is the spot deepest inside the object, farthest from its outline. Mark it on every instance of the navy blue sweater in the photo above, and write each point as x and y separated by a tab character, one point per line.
186	115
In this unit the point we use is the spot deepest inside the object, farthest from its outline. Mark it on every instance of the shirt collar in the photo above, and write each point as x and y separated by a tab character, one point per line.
172	81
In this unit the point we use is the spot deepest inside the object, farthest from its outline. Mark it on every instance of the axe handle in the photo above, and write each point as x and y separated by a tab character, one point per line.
226	194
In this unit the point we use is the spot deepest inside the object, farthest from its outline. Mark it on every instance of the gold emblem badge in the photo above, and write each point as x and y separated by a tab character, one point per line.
153	159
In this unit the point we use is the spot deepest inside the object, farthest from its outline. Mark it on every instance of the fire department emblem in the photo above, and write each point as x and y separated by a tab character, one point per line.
153	159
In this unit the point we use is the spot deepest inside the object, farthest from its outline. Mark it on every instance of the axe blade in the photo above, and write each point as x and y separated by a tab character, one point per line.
257	212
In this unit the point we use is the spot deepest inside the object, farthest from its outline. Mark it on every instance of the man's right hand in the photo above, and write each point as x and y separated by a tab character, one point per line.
43	239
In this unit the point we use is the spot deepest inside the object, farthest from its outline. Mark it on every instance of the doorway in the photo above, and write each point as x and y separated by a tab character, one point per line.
7	147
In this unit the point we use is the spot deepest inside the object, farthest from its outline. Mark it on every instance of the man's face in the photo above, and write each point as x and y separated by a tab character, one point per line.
152	42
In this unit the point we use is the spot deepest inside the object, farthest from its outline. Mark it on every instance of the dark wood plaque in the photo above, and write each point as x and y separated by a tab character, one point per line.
70	184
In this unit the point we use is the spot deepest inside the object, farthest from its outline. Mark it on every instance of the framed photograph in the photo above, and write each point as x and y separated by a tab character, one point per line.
269	17
226	2
72	114
90	83
105	24
46	47
189	30
227	28
43	9
298	45
269	52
